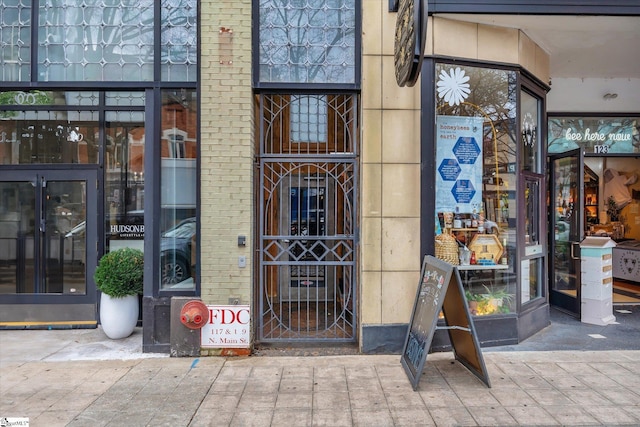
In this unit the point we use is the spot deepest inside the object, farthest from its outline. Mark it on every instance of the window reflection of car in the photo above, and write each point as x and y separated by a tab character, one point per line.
175	248
175	251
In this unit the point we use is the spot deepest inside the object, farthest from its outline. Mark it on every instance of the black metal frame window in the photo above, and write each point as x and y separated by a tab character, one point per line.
307	43
126	41
531	199
144	56
476	178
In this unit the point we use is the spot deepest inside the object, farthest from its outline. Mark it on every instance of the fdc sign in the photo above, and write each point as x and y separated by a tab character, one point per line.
228	327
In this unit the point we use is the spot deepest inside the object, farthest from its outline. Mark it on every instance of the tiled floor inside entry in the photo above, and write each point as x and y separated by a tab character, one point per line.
626	292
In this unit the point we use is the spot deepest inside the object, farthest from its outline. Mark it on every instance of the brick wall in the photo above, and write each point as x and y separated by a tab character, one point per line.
226	193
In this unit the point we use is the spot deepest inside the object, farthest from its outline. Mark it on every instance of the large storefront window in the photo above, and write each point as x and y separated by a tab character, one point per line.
48	151
81	168
178	152
476	160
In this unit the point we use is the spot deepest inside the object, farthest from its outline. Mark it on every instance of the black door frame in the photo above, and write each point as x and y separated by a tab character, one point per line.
55	173
562	300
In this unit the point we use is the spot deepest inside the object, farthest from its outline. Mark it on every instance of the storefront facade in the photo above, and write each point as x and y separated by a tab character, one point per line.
594	168
281	168
480	160
467	49
99	151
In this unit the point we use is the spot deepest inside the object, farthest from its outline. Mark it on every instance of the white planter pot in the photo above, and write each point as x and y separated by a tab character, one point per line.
118	316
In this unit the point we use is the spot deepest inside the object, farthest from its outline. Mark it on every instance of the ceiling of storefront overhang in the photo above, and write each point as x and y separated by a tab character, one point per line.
602	47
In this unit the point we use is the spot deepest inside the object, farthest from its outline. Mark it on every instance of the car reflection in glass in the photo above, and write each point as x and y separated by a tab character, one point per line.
175	249
175	252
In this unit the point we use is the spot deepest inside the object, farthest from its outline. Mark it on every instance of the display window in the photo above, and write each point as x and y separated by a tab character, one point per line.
476	182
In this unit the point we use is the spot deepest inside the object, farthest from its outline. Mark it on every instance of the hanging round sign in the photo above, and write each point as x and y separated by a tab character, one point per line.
410	40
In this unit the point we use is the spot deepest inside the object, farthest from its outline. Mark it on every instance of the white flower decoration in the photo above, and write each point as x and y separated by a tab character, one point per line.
453	87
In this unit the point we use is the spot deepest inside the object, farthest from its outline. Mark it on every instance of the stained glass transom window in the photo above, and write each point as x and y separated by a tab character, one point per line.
15	40
93	40
125	99
179	42
303	41
41	97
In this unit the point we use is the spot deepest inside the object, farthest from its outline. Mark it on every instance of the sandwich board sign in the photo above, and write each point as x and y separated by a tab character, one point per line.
440	289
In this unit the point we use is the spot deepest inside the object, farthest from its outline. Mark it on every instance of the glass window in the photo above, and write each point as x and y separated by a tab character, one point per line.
96	41
530	130
533	272
532	281
15	41
47	97
532	212
179	40
30	137
178	189
307	124
307	42
309	119
125	99
124	179
476	159
99	41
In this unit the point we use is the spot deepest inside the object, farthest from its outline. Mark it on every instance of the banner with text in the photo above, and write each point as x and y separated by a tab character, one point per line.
458	163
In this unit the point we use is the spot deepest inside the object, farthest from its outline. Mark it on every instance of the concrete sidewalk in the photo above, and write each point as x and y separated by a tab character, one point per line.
80	378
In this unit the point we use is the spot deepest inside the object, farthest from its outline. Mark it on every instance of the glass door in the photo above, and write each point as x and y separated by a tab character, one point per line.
304	216
48	234
566	218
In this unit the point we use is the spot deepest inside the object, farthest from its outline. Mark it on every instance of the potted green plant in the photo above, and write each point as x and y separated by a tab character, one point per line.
499	298
119	276
472	301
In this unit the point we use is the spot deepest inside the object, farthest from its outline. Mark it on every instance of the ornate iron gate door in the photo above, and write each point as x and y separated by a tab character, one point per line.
307	217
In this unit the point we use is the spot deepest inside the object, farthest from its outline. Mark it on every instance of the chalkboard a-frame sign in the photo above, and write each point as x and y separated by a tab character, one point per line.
440	289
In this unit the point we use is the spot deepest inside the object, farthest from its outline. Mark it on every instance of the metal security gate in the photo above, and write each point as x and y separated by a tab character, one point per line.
307	213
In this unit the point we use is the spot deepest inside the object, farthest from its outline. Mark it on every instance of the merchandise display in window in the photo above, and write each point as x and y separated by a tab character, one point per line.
476	183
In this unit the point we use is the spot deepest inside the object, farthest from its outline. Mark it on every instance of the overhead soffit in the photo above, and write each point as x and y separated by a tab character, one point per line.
578	46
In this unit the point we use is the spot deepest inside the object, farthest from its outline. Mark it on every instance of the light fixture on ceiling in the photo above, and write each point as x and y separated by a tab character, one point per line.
609	96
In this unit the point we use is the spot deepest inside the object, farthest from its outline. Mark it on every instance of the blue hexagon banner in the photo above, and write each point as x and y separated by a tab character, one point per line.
458	163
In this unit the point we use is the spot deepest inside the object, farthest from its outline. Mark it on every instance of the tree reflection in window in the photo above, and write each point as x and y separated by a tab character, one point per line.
307	42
